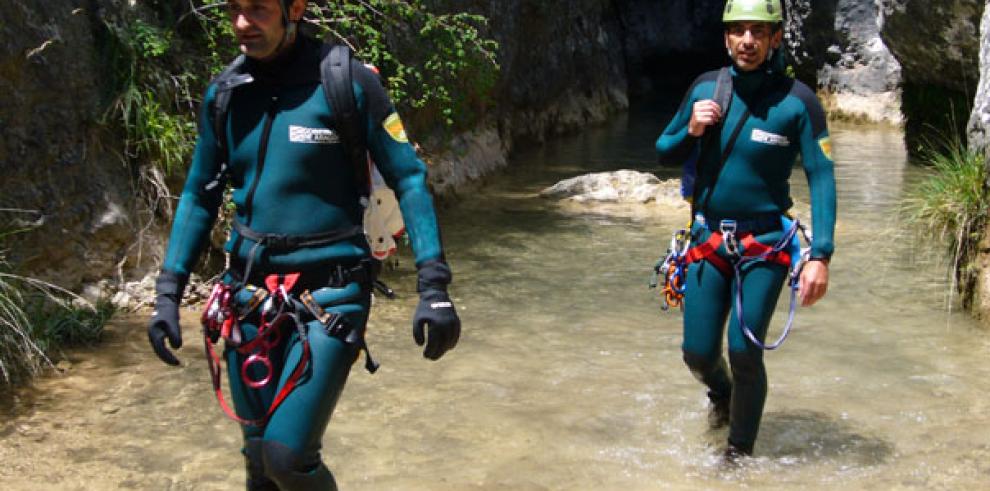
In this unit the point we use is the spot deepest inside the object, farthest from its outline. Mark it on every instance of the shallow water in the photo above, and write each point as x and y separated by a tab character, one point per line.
567	375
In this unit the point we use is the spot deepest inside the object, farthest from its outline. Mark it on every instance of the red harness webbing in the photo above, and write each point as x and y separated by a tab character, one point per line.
751	247
268	337
706	251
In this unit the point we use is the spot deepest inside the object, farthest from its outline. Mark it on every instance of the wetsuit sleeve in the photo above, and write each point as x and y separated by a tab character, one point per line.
675	144
816	156
197	210
403	171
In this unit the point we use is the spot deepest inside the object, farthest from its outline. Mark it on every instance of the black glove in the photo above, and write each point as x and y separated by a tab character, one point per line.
436	310
165	319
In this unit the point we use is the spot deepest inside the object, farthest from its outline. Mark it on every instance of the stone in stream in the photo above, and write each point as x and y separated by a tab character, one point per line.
622	186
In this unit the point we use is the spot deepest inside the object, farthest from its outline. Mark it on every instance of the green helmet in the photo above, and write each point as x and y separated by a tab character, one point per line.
754	10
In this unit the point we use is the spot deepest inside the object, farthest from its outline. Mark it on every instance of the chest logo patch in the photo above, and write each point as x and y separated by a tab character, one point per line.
393	126
320	136
768	138
826	145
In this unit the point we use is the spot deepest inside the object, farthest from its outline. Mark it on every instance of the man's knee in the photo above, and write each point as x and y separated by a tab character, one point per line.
746	365
292	470
701	365
256	478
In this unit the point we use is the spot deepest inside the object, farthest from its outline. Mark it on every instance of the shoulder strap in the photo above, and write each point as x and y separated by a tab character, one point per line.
713	137
723	90
228	79
337	79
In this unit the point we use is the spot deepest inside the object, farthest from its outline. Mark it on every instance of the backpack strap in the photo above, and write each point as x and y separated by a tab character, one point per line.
337	79
713	136
230	78
723	90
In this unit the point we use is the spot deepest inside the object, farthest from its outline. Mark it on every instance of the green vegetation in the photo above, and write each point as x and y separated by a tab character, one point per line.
438	67
38	319
950	207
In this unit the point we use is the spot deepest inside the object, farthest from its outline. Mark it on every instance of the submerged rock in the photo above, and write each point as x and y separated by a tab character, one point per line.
622	186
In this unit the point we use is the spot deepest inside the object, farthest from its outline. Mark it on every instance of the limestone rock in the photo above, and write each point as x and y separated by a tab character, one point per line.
979	120
623	186
938	46
936	42
838	43
471	156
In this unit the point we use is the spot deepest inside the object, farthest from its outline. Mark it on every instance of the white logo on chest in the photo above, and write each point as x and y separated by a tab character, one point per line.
768	138
322	136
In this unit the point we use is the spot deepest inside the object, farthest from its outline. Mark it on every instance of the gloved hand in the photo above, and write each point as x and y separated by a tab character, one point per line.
165	319
436	311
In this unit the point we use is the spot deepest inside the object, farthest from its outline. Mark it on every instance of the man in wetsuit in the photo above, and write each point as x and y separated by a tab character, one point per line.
780	118
297	227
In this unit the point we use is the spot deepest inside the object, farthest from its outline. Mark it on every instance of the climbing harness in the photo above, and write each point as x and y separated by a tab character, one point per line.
278	311
743	248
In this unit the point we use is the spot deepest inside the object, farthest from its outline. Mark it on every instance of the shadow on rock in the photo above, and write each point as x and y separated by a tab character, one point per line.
815	435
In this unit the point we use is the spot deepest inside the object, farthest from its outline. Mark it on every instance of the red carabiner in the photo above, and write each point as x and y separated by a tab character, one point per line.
251	360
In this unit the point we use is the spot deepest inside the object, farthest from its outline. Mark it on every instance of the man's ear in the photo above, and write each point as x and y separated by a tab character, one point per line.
296	10
777	39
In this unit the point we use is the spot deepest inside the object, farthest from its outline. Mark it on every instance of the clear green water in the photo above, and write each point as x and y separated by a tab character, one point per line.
567	376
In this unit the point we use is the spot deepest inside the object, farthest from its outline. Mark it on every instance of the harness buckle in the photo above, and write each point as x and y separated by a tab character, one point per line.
728	229
319	313
277	242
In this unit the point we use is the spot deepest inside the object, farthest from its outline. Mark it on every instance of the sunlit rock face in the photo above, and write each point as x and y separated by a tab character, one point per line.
979	138
861	74
979	120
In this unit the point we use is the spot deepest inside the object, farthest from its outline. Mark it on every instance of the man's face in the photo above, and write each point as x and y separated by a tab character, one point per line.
749	42
258	25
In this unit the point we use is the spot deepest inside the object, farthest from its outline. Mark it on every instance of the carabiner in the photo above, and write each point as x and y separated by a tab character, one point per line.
728	229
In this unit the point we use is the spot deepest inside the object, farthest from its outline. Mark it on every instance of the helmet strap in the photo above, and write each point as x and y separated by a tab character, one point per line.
291	27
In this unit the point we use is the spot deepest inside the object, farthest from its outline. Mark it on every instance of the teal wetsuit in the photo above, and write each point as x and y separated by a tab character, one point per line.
752	187
291	176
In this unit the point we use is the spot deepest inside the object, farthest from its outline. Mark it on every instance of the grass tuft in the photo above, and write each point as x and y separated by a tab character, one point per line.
950	207
38	319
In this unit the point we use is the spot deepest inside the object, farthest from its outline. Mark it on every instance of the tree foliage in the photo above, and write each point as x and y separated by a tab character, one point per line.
439	67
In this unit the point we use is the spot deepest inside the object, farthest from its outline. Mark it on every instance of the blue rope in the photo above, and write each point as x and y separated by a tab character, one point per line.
795	274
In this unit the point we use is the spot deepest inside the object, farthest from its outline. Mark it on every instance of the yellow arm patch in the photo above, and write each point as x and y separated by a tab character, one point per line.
826	146
393	126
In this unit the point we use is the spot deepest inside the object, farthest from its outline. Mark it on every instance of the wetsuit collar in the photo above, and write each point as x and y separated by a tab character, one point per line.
298	64
747	83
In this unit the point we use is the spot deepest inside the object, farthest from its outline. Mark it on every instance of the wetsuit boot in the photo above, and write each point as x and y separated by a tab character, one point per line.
733	455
